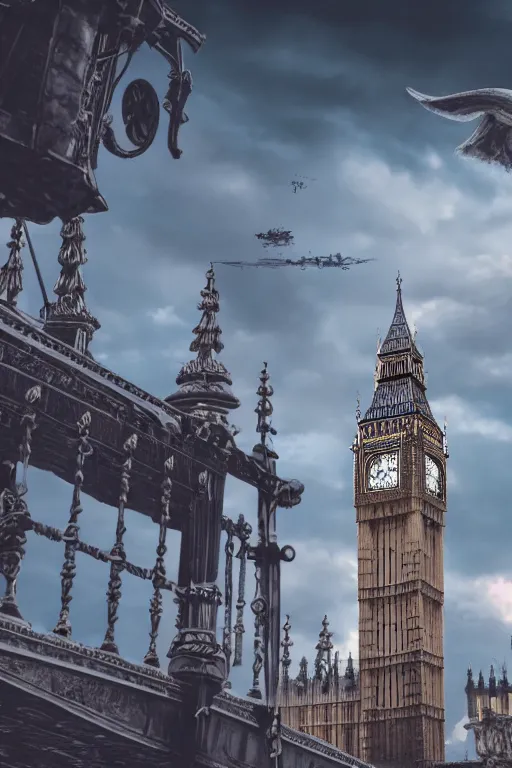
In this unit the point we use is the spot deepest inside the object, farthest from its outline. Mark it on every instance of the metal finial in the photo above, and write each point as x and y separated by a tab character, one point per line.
445	438
414	332
286	644
398	282
358	408
11	283
264	409
68	318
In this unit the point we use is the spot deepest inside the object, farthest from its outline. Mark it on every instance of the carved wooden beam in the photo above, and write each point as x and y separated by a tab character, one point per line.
73	383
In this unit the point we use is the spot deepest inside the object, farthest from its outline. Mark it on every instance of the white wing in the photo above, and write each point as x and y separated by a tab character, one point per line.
469	105
492	140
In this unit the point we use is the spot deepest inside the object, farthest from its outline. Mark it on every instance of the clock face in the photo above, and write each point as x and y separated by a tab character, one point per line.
383	472
433	477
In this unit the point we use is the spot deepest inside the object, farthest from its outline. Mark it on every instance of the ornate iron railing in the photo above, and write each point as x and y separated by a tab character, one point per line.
16	522
241	530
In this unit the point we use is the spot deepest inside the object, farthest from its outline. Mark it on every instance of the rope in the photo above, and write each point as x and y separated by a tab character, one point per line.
46	301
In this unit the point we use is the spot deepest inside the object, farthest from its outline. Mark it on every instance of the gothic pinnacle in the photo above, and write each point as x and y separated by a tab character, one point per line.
68	318
336	667
324	638
349	672
492	682
302	677
204	384
323	649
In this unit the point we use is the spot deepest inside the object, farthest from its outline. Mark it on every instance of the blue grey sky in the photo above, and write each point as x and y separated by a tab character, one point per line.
315	90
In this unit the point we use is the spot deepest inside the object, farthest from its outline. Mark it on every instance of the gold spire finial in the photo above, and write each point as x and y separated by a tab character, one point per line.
445	438
358	408
398	282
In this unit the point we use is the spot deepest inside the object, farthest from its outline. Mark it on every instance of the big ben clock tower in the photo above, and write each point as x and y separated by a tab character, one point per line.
400	499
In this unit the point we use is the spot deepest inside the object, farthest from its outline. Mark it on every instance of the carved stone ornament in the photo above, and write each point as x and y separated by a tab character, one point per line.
493	740
196	650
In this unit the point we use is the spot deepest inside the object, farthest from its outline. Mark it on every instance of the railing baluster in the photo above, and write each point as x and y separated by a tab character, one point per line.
63	626
28	421
14	522
229	548
244	530
118	553
259	608
159	575
14	515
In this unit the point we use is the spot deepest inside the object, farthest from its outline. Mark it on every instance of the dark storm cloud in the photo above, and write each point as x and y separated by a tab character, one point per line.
301	61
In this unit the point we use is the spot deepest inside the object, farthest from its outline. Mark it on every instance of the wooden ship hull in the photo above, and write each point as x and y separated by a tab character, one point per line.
67	705
64	704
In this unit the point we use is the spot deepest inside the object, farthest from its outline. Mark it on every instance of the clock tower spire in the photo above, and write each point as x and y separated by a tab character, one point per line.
400	378
400	500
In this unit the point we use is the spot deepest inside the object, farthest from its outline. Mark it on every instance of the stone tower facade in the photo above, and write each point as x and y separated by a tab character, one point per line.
387	707
400	499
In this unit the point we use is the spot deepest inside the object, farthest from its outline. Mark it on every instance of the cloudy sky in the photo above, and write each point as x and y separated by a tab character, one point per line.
315	90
